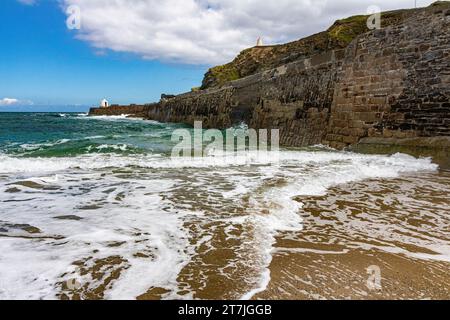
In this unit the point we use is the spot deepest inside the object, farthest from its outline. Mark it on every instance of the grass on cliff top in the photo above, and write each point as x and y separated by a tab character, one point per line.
346	30
225	73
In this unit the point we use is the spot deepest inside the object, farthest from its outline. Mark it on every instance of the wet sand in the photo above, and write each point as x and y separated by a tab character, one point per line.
401	226
398	226
224	233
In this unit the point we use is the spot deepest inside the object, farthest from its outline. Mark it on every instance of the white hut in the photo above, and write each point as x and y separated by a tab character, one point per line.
104	103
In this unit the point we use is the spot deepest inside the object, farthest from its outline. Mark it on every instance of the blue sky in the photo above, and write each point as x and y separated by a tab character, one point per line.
132	51
42	63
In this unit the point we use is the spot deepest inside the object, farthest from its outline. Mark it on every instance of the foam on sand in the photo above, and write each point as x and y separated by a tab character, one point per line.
136	207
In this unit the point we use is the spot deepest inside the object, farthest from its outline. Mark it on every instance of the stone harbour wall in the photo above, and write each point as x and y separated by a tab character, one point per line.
295	98
395	83
213	108
115	110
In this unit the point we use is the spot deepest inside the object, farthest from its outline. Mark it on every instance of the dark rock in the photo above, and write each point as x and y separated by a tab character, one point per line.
70	217
165	97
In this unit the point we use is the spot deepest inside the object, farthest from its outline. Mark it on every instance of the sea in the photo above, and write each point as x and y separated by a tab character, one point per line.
98	208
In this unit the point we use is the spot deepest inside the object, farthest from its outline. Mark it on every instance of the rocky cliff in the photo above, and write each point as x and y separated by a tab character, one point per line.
116	110
345	87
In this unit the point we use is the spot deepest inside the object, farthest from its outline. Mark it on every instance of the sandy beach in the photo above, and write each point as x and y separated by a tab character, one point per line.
389	224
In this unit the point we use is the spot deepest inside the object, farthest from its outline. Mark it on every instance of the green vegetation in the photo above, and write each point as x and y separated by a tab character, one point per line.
224	74
346	30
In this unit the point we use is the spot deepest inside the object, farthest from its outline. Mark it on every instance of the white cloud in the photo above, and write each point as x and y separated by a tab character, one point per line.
208	31
12	102
8	101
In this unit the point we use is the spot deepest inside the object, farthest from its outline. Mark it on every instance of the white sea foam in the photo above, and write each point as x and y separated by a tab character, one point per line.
161	234
366	165
140	210
122	147
37	146
111	118
123	117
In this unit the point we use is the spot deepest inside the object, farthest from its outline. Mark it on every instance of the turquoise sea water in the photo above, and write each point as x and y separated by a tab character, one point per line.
95	207
73	134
